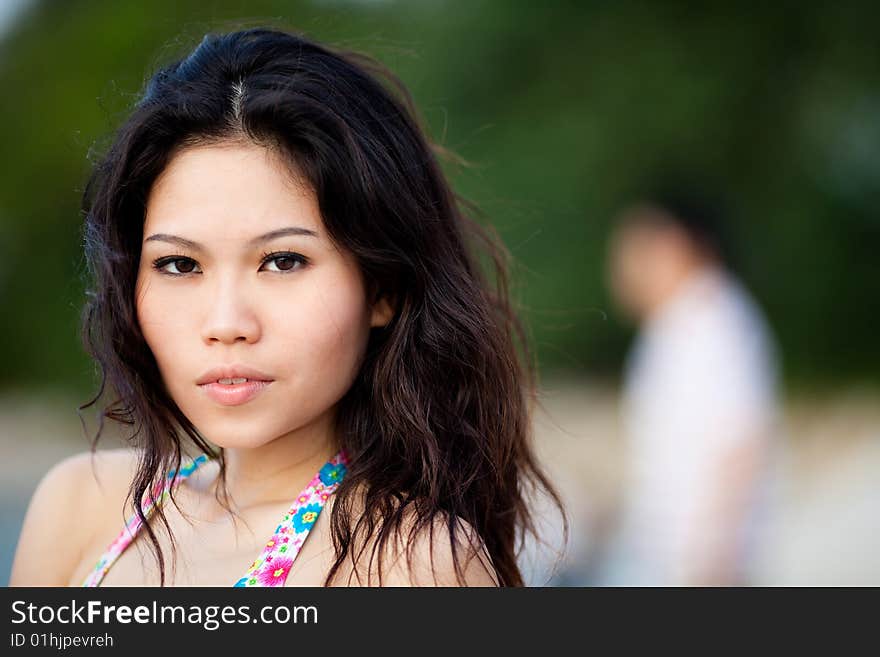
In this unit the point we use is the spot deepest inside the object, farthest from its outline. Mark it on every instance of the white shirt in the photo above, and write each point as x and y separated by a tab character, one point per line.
700	379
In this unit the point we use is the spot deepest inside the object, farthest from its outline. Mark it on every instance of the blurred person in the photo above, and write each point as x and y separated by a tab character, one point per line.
287	316
699	406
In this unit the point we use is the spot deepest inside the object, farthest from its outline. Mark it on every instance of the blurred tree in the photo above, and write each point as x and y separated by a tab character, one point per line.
559	106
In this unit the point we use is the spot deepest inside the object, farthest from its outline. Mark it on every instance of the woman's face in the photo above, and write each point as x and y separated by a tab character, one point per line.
238	273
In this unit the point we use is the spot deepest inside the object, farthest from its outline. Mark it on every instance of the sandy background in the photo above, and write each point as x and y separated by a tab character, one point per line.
824	524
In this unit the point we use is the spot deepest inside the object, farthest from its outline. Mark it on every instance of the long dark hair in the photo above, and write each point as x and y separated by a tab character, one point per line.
437	423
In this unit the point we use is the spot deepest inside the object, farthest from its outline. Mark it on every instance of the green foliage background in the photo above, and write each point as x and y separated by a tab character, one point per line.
560	107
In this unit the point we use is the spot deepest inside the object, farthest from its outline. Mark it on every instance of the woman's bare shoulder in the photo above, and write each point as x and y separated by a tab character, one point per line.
431	558
99	478
75	498
425	557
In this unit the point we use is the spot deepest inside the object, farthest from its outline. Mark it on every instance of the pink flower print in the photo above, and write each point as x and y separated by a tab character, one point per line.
275	574
302	499
119	542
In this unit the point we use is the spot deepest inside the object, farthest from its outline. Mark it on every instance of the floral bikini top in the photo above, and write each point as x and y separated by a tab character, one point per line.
273	564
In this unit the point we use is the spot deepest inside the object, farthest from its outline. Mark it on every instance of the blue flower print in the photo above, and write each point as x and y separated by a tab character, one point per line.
305	517
331	474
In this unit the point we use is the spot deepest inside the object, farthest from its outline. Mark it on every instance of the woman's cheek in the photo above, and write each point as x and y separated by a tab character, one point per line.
164	324
338	333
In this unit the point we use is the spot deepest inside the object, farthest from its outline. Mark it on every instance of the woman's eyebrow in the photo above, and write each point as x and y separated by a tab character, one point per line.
260	239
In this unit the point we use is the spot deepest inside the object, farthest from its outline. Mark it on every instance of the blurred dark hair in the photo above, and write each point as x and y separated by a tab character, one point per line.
696	208
437	424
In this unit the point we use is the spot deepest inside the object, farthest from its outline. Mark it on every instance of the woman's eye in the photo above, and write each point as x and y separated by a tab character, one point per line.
282	262
176	266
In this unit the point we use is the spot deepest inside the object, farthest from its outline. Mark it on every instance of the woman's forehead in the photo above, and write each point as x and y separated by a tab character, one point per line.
234	192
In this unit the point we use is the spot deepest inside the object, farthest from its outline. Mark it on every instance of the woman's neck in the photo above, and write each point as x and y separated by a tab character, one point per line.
280	469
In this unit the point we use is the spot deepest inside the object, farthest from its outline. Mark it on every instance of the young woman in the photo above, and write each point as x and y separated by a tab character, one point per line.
292	322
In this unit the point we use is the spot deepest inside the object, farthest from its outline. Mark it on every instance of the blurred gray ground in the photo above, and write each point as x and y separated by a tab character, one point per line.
824	523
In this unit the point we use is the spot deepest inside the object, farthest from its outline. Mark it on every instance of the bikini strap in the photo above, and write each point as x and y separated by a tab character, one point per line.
273	565
133	526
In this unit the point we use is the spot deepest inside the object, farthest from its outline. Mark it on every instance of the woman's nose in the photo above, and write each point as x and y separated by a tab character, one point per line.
230	316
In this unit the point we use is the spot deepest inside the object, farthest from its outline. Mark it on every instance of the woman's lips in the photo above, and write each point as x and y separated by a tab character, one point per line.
234	394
